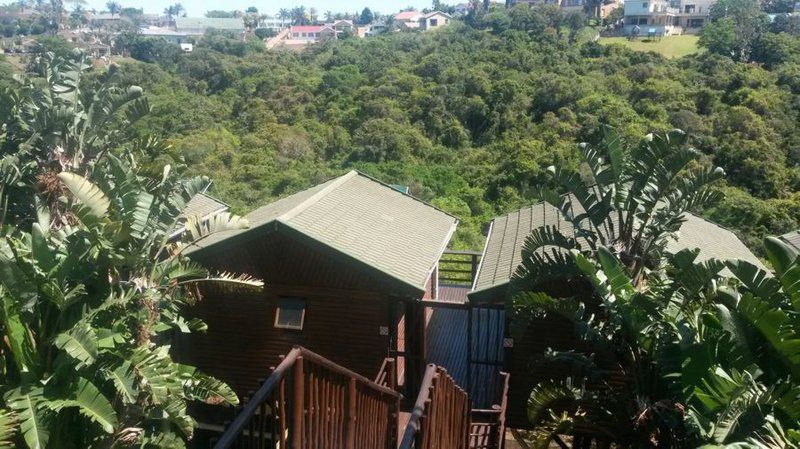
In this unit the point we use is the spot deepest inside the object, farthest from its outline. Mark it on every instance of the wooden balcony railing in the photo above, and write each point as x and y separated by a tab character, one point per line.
441	415
387	375
311	402
458	267
442	418
488	427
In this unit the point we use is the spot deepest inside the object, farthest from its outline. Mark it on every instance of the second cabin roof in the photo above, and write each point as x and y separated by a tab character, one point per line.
503	252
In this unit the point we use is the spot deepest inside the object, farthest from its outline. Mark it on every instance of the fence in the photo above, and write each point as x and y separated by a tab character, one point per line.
441	416
310	402
458	267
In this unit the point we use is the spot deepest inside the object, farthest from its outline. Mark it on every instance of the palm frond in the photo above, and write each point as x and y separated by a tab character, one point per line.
8	429
80	343
236	280
89	401
199	227
34	422
86	193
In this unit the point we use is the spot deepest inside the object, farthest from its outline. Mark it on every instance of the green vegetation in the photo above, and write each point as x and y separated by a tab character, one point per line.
468	117
92	283
669	47
708	359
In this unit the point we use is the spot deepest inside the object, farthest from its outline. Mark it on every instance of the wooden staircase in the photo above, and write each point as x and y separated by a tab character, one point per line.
310	402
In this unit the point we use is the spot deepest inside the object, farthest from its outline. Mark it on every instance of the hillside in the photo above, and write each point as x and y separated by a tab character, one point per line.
468	117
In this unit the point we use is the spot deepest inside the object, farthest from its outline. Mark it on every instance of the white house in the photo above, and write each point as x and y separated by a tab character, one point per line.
664	18
311	33
274	24
433	20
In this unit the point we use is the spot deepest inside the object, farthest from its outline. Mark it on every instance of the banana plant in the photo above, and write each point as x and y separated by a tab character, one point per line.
93	281
711	361
630	199
88	310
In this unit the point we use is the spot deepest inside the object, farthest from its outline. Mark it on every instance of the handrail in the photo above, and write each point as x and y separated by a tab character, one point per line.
413	426
387	374
237	426
357	392
460	268
441	415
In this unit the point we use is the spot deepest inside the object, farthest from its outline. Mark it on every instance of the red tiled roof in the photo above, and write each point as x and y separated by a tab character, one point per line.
407	15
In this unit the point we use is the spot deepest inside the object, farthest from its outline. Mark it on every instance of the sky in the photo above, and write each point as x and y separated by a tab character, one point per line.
197	8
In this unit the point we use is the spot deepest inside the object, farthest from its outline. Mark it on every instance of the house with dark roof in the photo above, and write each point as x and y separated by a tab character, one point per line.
345	264
503	254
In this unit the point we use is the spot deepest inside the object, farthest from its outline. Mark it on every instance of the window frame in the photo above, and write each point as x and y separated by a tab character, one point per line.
297	300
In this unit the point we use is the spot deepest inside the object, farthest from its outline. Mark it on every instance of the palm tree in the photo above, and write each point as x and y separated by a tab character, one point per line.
179	10
299	15
113	8
675	329
284	14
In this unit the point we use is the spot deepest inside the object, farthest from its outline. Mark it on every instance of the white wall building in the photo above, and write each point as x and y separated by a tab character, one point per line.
664	17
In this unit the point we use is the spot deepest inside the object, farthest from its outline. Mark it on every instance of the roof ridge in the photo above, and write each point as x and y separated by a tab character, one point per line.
389	186
213	198
305	204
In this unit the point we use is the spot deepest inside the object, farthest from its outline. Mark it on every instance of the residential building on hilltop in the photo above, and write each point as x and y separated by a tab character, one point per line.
311	33
198	26
274	24
665	18
407	20
415	20
433	20
576	5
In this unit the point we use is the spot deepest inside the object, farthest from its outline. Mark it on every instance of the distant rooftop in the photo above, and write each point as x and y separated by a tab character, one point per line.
206	23
407	15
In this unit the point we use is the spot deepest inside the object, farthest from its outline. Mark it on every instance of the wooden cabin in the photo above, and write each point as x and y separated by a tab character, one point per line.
501	257
345	265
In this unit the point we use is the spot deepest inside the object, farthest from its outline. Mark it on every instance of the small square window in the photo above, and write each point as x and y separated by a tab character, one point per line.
291	313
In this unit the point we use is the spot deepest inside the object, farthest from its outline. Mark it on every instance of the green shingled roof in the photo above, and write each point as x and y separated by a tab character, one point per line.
367	220
502	254
202	205
793	239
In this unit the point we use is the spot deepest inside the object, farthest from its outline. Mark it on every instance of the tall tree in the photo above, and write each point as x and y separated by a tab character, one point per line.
114	8
735	27
366	17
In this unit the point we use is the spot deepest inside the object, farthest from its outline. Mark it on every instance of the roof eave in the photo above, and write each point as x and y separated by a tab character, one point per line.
411	288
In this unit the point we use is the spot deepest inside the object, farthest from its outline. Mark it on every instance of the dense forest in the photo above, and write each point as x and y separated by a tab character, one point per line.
468	117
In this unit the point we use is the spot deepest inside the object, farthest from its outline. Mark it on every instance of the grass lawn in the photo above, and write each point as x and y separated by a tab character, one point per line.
669	47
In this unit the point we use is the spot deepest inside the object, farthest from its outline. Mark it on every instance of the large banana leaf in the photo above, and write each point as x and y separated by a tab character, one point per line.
8	429
34	422
786	262
90	402
86	193
80	343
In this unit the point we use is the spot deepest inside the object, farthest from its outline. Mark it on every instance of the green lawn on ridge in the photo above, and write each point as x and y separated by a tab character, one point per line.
669	47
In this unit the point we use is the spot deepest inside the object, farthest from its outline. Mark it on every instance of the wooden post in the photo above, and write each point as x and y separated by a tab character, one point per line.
468	387
299	405
351	415
391	365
